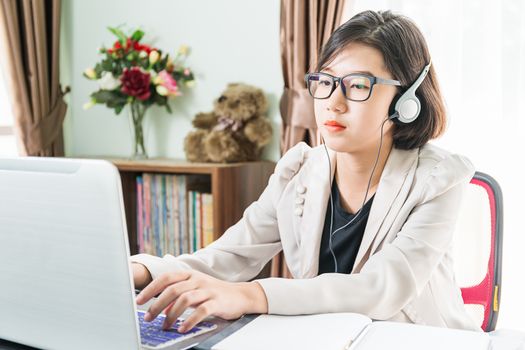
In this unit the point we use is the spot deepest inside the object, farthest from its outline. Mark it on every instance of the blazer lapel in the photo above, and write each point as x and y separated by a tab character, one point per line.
398	164
317	183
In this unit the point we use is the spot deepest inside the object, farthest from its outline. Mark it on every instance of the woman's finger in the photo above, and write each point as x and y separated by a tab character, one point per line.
160	283
201	312
191	298
167	297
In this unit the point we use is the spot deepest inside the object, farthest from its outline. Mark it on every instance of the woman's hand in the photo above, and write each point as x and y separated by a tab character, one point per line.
141	275
208	295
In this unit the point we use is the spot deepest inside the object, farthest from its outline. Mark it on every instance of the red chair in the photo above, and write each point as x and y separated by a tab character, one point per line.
477	249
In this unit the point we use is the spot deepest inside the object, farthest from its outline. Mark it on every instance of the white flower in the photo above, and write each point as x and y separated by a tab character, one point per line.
190	83
153	57
89	104
184	50
157	80
162	90
90	73
143	54
108	81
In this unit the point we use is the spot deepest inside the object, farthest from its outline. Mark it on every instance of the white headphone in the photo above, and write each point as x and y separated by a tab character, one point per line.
405	108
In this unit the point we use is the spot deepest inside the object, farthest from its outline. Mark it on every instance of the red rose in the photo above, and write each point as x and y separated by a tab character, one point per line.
135	83
130	44
116	46
140	47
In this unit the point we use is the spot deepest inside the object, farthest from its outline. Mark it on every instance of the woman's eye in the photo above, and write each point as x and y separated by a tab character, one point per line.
358	86
325	83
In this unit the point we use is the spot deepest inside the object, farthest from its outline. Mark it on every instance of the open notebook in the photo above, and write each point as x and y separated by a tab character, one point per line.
347	331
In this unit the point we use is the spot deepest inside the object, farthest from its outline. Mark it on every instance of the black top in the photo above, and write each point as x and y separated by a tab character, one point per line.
345	242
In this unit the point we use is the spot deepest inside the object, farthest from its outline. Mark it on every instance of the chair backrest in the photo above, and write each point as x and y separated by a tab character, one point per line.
477	249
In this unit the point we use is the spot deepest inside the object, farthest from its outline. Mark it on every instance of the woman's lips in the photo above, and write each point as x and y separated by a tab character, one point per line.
332	125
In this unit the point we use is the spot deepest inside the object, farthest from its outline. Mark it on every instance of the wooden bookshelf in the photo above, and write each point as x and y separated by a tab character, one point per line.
233	187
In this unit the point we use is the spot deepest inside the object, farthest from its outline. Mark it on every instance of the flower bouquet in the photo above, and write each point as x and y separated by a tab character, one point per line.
138	75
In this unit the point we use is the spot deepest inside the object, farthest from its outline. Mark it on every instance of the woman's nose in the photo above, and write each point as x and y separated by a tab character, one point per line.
337	102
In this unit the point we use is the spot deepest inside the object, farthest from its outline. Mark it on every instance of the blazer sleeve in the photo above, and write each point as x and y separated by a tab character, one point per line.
393	276
243	250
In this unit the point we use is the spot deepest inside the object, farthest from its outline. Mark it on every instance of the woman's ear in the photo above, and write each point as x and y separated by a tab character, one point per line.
393	115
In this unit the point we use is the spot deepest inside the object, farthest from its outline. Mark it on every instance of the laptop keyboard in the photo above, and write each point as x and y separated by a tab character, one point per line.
153	336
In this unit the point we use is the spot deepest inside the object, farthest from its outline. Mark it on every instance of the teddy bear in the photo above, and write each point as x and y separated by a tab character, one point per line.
234	131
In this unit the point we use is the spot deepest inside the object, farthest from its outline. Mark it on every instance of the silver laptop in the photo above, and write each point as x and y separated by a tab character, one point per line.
65	280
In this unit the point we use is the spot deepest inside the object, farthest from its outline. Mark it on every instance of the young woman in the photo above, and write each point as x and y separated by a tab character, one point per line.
365	221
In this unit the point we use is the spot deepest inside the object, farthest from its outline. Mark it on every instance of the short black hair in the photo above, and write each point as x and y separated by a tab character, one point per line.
405	54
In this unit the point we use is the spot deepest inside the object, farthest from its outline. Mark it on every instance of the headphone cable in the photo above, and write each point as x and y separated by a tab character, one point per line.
364	199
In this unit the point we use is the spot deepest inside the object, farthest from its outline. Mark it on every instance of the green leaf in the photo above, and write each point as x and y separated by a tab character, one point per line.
137	35
119	109
106	65
119	34
161	64
107	96
98	69
101	96
116	103
160	100
168	108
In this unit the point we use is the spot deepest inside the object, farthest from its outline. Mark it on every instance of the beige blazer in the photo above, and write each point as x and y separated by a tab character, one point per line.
404	268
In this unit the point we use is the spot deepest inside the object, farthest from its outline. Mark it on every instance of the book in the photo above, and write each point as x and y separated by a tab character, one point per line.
140	214
183	206
198	215
191	216
157	200
207	200
147	232
397	335
164	217
176	215
348	331
168	215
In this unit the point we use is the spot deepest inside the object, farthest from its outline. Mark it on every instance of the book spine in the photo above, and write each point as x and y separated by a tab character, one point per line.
191	232
146	178
196	218
140	228
164	226
208	218
184	212
169	210
182	234
199	219
156	232
175	214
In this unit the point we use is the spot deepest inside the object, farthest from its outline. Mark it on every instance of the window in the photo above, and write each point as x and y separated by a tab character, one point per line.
7	137
478	51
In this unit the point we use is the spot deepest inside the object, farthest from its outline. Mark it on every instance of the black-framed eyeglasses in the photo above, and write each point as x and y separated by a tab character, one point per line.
355	86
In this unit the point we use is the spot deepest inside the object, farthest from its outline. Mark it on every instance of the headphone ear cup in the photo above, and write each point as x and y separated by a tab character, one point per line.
392	113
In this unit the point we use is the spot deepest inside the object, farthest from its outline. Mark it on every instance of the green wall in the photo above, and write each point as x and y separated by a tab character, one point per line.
230	41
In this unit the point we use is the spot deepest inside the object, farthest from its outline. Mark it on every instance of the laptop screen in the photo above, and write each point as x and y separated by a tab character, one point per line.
64	255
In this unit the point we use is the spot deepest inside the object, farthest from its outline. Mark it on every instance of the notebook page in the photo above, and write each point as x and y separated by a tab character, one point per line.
395	335
320	331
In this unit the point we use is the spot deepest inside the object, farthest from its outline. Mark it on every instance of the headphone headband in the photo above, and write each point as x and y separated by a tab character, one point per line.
420	79
406	108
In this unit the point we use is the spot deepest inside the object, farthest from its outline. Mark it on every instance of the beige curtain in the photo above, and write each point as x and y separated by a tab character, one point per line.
306	26
29	43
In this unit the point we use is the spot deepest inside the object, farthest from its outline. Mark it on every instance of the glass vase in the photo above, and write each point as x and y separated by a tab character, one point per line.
137	112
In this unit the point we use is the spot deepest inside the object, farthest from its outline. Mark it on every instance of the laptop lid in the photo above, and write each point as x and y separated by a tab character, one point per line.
64	274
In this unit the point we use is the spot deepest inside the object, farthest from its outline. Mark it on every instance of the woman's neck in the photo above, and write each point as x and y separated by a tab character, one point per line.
353	171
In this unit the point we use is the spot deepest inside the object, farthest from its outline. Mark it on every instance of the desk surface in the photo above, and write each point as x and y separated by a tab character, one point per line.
500	339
